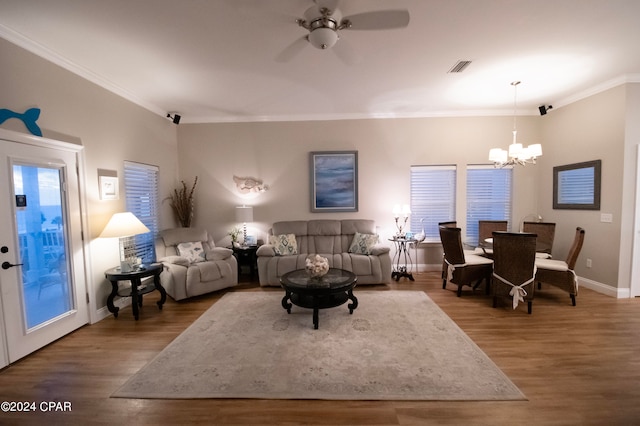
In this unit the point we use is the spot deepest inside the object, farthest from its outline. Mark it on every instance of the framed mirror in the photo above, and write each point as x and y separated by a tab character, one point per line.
577	186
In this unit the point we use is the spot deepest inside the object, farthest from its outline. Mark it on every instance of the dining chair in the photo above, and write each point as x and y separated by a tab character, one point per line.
546	232
462	269
561	273
514	256
448	224
486	228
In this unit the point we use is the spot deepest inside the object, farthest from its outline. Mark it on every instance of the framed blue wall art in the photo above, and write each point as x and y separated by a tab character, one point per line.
334	181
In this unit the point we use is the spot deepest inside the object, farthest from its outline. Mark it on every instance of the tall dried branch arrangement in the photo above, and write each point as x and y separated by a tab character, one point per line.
182	203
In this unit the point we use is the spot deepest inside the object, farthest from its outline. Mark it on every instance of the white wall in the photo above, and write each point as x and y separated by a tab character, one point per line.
278	153
113	130
590	129
110	128
629	271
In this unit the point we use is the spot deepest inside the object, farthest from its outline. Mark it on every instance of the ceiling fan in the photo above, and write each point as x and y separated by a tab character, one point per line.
324	20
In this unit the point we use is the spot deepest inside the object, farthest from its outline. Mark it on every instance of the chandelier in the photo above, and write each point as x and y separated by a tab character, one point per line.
517	154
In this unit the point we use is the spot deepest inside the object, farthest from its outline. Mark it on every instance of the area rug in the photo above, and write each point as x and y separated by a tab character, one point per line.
397	345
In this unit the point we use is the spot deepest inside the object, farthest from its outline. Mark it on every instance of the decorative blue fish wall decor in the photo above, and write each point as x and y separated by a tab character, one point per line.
29	118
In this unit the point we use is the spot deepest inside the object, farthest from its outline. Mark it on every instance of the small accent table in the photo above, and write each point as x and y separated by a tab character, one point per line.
333	289
402	261
115	274
246	256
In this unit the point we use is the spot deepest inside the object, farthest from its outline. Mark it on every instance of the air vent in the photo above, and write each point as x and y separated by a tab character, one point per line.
459	67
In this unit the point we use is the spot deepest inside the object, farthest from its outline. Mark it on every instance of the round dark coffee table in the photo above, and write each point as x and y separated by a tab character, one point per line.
333	289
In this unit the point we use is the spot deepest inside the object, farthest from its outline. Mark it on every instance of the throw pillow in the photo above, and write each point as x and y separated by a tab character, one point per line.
363	243
284	244
193	252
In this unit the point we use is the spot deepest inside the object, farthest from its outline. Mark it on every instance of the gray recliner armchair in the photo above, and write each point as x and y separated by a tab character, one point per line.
193	265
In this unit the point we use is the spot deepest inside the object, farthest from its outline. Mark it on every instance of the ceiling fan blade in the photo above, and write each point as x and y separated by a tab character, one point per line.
292	50
380	20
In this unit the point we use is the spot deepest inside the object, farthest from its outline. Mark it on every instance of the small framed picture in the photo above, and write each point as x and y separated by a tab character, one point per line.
250	240
108	187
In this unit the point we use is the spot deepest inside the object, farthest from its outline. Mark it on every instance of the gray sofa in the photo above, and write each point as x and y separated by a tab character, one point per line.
332	239
207	269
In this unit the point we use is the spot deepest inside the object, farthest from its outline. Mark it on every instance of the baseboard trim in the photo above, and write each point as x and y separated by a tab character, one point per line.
607	290
122	302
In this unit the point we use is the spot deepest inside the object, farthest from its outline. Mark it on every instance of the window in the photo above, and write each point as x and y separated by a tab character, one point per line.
577	186
488	196
141	189
433	198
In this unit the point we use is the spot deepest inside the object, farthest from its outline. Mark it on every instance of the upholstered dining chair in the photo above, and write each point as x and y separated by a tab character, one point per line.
462	269
454	224
546	232
448	224
514	256
560	273
486	228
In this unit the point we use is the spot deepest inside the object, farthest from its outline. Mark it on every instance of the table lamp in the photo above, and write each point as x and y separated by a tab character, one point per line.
244	214
405	211
125	226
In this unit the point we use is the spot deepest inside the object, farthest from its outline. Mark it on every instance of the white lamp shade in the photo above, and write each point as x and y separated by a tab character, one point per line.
496	155
244	214
535	150
515	150
123	225
524	154
404	210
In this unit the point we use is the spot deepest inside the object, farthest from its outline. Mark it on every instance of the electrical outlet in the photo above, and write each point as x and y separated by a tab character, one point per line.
589	263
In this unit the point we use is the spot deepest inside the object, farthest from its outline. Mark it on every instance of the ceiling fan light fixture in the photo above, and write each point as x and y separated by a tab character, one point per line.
323	38
322	24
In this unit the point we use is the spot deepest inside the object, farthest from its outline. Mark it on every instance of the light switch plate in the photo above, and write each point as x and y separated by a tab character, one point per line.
606	217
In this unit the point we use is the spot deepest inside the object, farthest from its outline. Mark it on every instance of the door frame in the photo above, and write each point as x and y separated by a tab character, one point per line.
634	287
41	142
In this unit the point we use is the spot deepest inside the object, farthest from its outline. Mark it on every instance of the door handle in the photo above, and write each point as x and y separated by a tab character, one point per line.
7	265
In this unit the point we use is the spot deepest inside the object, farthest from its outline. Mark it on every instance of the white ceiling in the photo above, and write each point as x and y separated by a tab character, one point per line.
222	60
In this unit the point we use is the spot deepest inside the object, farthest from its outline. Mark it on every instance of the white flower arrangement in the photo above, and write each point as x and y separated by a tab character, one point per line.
317	265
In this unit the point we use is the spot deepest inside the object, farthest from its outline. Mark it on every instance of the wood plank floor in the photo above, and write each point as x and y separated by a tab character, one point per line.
576	365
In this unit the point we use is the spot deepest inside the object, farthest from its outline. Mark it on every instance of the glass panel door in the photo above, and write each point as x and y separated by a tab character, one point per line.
42	279
40	219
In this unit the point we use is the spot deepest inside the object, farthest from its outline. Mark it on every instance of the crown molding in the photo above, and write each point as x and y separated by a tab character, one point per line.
54	57
44	52
594	90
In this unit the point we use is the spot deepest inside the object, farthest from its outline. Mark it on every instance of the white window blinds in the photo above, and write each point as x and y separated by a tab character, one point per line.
141	189
433	198
488	196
